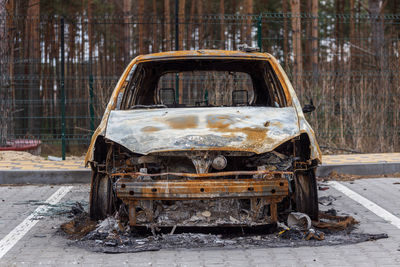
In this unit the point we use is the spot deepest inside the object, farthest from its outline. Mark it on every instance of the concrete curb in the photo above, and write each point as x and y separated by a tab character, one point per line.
45	176
83	176
360	169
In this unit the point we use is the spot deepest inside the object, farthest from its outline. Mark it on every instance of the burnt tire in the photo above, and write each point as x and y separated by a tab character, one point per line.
306	194
101	196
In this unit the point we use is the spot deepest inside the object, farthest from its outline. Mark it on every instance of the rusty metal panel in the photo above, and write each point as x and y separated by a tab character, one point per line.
303	124
202	53
265	174
254	129
110	106
201	189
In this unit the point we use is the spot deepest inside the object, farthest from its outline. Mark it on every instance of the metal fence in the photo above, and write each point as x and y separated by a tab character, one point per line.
58	73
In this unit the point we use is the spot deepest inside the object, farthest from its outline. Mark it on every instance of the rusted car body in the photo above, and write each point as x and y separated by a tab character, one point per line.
237	151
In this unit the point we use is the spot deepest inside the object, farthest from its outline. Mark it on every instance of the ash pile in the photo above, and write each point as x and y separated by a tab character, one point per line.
113	236
224	212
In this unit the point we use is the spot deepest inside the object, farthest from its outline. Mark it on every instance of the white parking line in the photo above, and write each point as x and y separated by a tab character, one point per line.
381	212
18	232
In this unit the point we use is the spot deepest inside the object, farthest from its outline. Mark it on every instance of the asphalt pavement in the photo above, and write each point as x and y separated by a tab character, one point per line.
30	235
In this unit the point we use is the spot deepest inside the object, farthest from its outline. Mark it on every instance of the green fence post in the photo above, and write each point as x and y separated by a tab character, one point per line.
62	92
259	32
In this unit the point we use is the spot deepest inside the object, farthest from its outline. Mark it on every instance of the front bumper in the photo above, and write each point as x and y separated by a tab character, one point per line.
269	189
128	189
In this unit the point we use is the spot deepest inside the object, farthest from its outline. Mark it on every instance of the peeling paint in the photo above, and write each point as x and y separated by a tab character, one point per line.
183	122
203	128
148	129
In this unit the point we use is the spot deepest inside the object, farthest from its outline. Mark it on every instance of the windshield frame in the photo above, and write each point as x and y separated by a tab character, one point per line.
138	72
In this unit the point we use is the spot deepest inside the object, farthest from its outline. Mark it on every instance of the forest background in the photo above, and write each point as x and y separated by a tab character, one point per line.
345	55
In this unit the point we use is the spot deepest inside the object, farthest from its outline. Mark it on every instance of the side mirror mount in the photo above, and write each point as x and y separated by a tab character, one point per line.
309	107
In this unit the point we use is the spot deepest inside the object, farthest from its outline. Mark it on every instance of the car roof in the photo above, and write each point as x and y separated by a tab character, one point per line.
203	53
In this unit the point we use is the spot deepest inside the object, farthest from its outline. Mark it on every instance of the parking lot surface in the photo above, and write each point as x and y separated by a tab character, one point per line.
43	244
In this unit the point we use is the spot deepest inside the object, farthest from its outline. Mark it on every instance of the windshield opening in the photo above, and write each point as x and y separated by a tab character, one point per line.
203	83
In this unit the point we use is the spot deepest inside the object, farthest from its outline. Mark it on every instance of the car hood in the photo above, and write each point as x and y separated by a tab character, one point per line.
253	129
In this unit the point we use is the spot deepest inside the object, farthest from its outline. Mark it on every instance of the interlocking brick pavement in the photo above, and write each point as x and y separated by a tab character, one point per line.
360	158
43	245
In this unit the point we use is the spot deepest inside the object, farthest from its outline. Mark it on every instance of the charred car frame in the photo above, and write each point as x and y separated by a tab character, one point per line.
206	137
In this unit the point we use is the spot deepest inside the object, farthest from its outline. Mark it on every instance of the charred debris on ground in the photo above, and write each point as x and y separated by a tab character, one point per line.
112	236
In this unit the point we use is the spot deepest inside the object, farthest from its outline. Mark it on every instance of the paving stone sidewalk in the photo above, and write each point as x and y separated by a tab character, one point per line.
44	246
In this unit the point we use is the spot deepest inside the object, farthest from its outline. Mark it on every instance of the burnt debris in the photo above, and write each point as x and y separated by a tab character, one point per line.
112	236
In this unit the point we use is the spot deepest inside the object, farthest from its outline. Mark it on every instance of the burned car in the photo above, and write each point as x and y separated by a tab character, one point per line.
205	137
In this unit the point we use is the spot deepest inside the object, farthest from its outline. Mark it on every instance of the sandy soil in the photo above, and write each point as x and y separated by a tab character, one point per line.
22	156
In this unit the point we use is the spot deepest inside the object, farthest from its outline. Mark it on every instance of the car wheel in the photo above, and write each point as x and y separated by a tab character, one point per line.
306	194
101	196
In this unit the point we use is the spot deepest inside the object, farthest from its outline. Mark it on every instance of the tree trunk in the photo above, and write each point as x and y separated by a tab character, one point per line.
127	9
352	66
118	31
352	35
5	92
34	111
377	31
314	34
201	26
378	46
285	33
242	11
222	31
181	16
234	29
155	47
167	16
296	36
249	7
307	62
141	26
90	29
191	34
71	83
81	52
396	120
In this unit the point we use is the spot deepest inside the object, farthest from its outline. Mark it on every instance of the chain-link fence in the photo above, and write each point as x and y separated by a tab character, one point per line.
348	64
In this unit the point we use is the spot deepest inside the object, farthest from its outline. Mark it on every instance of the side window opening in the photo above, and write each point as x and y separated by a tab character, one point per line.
275	87
133	80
